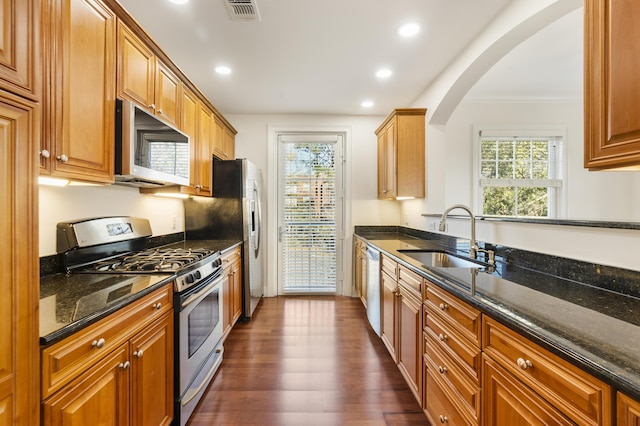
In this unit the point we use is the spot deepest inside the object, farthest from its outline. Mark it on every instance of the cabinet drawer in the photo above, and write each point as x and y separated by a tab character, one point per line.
229	257
389	266
66	359
583	398
410	280
452	342
439	405
457	313
465	388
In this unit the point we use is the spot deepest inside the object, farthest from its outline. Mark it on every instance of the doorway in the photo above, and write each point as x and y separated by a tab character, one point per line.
310	212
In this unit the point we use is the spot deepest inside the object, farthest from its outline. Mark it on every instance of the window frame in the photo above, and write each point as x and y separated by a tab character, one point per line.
557	197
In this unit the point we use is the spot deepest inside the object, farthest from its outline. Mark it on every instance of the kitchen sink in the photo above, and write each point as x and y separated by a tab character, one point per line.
440	259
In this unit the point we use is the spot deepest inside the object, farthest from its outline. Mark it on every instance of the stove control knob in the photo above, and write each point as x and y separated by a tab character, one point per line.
189	279
197	275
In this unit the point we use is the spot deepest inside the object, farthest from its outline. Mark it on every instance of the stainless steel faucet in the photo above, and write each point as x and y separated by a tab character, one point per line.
473	246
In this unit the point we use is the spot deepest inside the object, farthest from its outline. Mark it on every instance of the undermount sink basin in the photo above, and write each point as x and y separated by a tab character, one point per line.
439	259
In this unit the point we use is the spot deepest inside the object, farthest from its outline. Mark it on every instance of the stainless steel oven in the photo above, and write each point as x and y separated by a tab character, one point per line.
199	341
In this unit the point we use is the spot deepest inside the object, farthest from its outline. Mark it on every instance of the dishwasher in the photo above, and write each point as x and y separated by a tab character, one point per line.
373	288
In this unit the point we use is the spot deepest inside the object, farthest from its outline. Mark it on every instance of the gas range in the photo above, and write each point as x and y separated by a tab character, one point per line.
118	245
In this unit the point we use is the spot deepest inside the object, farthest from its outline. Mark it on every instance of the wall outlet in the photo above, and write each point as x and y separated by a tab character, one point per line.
432	225
174	223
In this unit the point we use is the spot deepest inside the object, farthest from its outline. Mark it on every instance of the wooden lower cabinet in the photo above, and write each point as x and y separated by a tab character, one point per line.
508	402
360	269
389	312
132	385
231	289
628	411
578	396
99	396
116	371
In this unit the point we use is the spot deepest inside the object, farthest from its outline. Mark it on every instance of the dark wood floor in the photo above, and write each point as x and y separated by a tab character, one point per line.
306	361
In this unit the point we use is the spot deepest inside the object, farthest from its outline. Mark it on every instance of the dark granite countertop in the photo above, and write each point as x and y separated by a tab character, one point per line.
69	303
594	328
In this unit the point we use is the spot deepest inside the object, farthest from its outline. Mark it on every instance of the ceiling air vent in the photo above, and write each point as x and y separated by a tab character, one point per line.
243	10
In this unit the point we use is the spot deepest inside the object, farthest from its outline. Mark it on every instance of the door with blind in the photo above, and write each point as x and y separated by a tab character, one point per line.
310	213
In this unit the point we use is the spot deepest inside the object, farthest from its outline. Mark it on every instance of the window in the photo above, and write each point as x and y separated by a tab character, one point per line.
519	173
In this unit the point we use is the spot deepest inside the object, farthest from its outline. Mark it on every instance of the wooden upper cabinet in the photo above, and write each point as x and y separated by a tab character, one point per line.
612	86
144	79
19	47
401	154
224	142
205	141
79	103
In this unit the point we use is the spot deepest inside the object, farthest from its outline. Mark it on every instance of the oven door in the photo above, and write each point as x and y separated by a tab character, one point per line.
200	328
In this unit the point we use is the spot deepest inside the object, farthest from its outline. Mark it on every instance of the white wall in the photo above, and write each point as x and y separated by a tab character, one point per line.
59	204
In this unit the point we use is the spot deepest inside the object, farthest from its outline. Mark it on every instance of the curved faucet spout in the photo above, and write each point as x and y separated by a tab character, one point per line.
472	243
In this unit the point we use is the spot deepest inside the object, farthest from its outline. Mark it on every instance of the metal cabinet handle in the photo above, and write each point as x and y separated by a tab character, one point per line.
138	353
442	369
443	306
152	106
443	337
159	111
125	365
443	419
62	158
524	363
157	305
45	153
98	343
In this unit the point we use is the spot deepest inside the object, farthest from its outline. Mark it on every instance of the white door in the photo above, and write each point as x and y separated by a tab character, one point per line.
310	213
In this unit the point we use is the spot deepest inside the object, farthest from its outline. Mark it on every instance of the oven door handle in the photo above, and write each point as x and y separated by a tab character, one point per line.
200	293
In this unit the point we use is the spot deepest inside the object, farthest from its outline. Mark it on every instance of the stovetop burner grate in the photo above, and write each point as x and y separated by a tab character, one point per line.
158	259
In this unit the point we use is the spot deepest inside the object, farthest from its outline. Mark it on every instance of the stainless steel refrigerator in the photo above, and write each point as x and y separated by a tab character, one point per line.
233	213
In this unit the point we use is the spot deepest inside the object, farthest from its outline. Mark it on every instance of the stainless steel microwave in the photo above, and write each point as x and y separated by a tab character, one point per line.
149	152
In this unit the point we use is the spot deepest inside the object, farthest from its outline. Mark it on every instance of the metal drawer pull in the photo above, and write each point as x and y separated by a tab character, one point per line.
524	364
62	158
138	353
443	337
157	305
444	306
125	366
443	419
98	343
442	369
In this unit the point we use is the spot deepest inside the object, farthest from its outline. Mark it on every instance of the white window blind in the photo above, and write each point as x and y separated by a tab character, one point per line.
308	214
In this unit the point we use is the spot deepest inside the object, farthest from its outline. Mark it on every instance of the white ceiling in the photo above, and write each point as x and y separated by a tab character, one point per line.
320	56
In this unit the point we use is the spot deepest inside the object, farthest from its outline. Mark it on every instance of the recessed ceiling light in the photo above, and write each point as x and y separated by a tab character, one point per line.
222	70
179	1
409	30
367	104
383	73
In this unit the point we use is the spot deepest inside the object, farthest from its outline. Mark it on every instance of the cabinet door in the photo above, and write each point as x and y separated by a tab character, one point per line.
205	150
19	72
389	314
189	125
136	68
166	94
152	374
628	411
100	396
507	402
82	106
19	133
227	302
410	342
612	86
229	143
218	139
387	162
236	284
